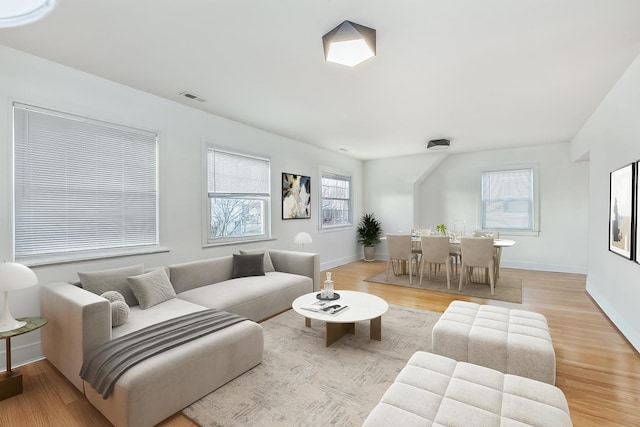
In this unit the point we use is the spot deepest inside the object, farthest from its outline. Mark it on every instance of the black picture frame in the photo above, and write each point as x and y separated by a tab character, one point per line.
622	209
296	196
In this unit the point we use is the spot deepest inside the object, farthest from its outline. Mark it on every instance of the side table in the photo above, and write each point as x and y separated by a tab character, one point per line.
11	380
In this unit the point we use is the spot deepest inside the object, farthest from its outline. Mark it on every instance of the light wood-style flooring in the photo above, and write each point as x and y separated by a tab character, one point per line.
597	368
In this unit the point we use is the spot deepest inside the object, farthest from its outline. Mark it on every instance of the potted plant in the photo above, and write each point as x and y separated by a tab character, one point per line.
369	232
442	229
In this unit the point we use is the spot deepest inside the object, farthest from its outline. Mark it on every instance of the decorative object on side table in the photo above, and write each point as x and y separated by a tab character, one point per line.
369	231
14	276
301	238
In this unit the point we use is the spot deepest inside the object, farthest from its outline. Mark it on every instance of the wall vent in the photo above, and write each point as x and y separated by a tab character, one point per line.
192	96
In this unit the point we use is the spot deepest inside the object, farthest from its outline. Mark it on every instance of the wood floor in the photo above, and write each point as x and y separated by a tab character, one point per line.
598	370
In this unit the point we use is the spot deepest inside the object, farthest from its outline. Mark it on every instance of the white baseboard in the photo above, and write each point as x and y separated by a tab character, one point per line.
21	355
544	267
630	331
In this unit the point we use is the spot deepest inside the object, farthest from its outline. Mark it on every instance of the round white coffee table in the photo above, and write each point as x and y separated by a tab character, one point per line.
362	307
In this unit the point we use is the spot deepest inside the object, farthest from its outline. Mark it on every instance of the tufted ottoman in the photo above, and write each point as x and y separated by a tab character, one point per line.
439	391
511	341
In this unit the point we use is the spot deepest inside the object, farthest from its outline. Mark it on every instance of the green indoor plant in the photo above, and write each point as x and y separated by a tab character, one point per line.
369	231
442	229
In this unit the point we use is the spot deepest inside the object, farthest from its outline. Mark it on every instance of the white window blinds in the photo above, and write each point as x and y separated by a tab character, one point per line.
508	200
82	187
336	200
239	196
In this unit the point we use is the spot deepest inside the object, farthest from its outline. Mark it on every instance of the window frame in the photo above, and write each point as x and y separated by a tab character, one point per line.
75	252
267	198
535	202
329	173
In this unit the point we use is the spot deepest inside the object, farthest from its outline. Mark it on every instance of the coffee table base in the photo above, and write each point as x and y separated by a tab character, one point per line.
335	331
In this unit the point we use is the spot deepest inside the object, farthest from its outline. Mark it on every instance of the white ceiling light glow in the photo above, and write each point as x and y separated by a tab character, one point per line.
14	13
349	44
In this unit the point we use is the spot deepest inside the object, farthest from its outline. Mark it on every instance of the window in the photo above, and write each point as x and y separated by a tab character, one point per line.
83	188
336	200
239	196
508	201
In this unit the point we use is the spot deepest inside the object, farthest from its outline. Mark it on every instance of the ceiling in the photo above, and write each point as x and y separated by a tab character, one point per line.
483	73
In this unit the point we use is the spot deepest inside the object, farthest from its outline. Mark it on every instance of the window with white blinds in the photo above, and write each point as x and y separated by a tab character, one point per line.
239	196
508	200
83	188
335	200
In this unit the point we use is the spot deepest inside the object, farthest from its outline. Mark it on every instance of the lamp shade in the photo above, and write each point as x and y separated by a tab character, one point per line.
302	238
13	276
349	44
14	13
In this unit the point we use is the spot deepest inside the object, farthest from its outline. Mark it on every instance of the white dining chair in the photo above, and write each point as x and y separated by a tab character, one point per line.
435	250
477	252
400	251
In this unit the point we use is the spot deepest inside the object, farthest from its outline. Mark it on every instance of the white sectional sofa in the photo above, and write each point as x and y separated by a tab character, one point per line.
154	389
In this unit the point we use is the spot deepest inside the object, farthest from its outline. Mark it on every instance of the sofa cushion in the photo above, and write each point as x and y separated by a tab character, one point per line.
139	318
255	297
114	279
151	288
119	308
268	264
248	265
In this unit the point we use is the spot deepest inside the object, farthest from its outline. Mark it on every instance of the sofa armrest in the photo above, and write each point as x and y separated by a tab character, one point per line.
78	322
303	263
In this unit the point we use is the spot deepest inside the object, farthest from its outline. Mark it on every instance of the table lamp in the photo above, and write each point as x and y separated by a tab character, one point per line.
13	276
302	238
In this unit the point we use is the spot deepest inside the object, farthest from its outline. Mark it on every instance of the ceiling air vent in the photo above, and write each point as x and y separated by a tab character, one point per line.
193	96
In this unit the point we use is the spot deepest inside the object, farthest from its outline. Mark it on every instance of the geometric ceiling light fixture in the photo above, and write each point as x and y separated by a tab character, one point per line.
349	44
14	13
438	144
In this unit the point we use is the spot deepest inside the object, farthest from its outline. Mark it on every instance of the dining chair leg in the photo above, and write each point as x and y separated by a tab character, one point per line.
463	269
388	268
421	270
448	267
492	279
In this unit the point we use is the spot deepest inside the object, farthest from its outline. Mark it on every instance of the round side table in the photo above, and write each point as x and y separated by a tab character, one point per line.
11	380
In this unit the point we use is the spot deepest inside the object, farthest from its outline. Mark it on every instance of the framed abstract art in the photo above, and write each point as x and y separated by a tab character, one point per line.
296	196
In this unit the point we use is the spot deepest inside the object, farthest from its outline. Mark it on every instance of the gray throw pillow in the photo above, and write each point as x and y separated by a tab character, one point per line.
115	279
248	265
119	308
268	265
152	288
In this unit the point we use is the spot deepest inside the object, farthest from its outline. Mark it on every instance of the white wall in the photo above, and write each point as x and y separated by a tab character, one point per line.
183	130
612	139
428	190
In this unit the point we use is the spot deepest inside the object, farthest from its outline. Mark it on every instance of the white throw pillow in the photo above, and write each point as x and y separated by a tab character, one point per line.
115	279
152	288
119	308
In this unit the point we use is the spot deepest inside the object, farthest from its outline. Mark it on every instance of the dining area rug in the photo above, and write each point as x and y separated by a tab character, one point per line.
507	288
300	382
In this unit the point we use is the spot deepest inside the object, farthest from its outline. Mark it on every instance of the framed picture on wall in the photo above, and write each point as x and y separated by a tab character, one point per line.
636	250
296	196
621	210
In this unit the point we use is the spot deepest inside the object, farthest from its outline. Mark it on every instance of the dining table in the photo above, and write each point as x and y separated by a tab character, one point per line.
477	276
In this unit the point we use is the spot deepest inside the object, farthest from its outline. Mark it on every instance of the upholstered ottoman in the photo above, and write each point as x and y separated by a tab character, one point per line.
511	341
439	391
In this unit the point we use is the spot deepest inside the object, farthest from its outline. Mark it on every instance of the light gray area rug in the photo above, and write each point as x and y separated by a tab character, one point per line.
303	383
506	289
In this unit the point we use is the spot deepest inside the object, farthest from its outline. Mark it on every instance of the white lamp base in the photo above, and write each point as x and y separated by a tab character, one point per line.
7	322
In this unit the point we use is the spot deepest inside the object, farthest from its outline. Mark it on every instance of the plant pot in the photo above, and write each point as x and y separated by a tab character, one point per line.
369	253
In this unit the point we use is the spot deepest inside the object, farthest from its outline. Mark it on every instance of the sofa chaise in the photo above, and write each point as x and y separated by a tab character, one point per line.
80	321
